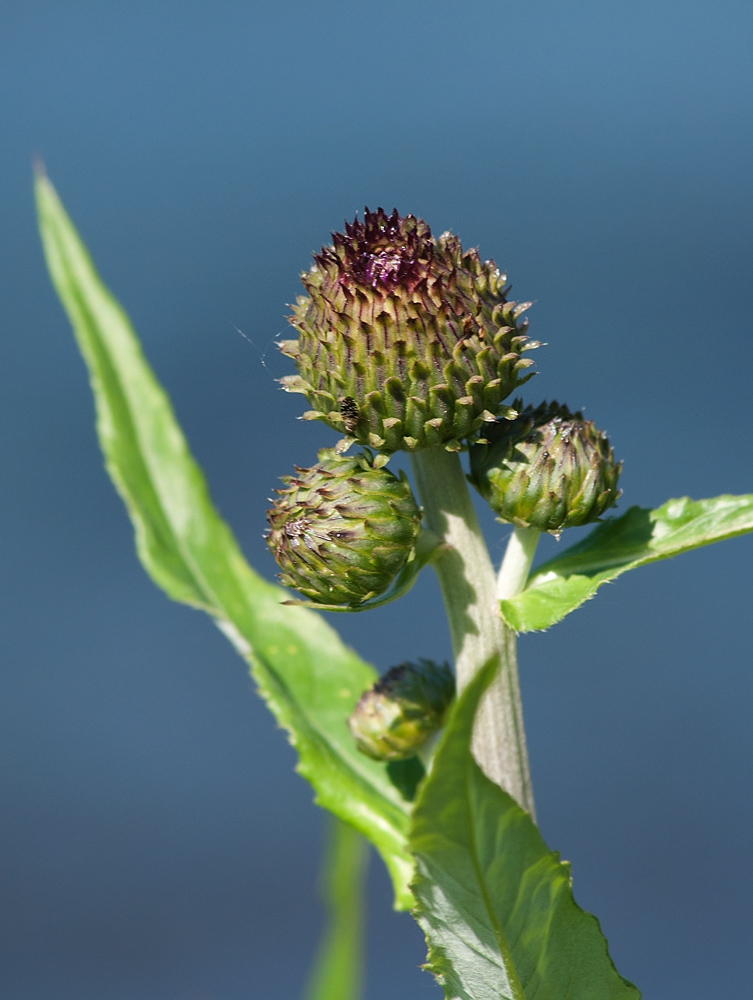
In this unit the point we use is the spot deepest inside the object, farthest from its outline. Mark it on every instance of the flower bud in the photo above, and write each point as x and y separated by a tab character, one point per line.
402	710
405	342
548	469
342	530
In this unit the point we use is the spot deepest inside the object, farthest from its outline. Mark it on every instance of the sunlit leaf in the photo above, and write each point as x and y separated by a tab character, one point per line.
308	677
494	902
639	537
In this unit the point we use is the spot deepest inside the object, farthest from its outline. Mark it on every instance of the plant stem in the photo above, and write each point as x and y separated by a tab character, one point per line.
478	633
338	967
516	564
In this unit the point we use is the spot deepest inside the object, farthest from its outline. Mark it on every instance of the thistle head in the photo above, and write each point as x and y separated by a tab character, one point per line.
396	716
547	468
405	341
342	530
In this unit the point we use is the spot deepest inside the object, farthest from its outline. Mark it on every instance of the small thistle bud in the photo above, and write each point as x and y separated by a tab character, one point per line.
402	710
405	341
342	530
548	469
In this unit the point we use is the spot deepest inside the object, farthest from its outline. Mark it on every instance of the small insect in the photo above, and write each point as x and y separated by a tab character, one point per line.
349	412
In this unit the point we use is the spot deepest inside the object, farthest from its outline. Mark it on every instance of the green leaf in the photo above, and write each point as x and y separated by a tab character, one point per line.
640	536
308	677
338	968
494	902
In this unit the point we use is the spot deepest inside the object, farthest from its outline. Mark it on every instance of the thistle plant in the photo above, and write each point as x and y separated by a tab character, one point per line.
546	468
342	530
405	342
397	716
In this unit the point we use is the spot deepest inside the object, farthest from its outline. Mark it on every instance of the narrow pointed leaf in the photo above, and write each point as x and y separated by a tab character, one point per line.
308	677
494	902
640	536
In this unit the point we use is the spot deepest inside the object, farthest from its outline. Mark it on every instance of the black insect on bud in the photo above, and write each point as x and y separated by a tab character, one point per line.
349	413
395	717
342	530
547	468
405	341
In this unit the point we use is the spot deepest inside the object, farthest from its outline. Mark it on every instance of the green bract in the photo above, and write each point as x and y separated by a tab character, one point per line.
402	710
547	468
342	530
405	342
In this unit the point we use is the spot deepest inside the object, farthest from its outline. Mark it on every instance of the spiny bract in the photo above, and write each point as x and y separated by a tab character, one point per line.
548	469
405	342
342	530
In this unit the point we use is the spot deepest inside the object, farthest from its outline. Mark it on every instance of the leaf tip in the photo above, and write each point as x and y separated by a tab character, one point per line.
43	189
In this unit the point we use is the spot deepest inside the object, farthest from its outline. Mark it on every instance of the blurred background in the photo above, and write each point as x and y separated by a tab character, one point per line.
155	841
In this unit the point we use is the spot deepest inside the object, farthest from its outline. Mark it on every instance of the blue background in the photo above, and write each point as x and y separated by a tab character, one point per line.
156	844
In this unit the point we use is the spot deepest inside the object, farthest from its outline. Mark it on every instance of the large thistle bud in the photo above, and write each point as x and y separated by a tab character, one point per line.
548	469
396	716
405	342
342	530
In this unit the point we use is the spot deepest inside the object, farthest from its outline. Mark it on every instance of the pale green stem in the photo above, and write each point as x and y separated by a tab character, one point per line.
427	750
338	967
477	631
516	564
